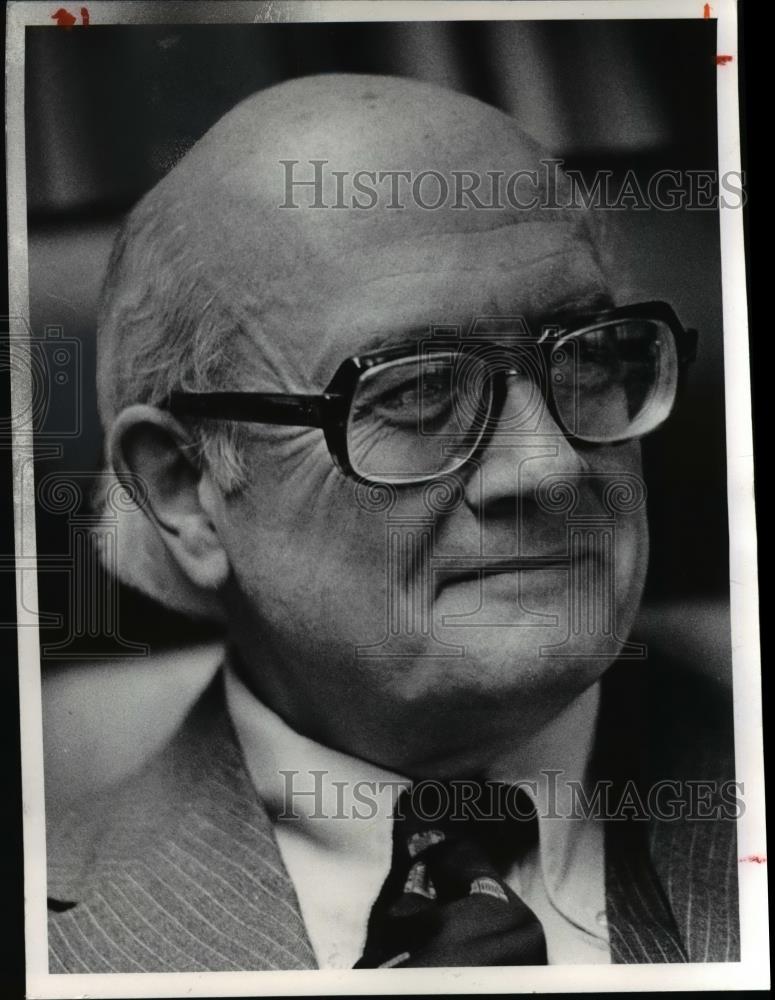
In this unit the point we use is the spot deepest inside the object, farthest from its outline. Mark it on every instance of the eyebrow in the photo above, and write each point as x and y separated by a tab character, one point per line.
402	334
586	306
563	315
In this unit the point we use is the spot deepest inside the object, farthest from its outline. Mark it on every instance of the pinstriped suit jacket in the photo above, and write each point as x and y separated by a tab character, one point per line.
178	869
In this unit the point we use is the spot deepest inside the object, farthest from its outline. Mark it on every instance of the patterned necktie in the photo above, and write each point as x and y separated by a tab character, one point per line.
443	902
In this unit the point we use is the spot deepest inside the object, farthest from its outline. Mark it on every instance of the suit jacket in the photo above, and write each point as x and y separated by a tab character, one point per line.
178	869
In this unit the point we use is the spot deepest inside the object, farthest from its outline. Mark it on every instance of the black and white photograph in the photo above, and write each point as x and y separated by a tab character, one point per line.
385	544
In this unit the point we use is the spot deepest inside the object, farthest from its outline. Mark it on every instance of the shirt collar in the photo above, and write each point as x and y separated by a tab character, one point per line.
334	798
346	804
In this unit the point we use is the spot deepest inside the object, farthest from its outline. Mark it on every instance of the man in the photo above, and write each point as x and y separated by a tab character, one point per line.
397	451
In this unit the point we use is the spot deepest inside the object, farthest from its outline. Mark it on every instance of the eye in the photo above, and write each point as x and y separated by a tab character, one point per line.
425	394
598	360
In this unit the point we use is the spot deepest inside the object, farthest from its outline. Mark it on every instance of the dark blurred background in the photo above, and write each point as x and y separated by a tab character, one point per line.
110	110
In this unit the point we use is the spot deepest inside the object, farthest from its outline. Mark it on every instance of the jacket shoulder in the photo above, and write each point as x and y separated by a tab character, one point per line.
177	868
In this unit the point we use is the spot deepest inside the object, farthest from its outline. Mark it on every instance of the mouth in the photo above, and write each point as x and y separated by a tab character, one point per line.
464	569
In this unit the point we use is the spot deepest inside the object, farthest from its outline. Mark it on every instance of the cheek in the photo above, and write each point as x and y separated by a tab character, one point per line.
623	493
305	535
632	548
632	534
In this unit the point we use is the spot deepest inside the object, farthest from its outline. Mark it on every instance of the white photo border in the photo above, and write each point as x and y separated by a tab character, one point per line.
752	971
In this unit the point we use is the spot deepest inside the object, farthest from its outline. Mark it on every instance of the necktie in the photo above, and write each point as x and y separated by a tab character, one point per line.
443	902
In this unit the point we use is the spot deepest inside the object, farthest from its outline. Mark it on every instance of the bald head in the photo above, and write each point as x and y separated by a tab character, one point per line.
352	159
354	122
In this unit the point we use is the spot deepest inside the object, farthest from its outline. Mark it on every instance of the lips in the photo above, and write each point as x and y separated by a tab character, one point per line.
461	569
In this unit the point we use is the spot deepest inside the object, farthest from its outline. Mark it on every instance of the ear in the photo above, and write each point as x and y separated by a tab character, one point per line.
153	447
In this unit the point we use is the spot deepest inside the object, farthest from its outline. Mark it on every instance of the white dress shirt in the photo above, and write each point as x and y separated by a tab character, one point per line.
333	820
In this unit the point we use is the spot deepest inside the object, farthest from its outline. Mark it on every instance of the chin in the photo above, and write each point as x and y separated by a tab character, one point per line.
498	673
458	714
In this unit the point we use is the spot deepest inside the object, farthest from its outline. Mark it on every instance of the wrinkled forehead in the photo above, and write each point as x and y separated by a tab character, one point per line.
322	243
357	289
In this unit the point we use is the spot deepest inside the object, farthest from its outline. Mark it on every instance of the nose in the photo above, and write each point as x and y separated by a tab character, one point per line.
525	445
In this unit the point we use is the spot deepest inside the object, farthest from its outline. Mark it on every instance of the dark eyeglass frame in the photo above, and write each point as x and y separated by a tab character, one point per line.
330	409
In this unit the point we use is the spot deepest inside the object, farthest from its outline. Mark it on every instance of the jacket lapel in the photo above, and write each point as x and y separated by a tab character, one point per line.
671	880
179	870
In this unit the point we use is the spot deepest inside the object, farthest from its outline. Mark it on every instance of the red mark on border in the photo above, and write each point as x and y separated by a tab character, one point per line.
756	859
706	11
723	60
65	19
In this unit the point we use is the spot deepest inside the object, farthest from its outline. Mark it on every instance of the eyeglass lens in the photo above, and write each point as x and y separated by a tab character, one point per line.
419	417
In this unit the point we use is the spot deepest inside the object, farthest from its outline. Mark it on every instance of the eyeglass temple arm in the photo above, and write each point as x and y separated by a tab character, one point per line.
256	407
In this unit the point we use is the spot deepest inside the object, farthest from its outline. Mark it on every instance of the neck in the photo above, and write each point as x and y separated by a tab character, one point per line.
435	743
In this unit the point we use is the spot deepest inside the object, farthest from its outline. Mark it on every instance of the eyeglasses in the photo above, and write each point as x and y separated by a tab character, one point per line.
420	410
